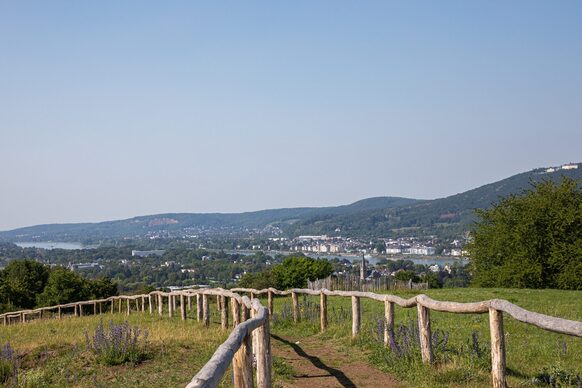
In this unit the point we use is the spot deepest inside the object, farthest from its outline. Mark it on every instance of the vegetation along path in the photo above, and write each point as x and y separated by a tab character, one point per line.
314	364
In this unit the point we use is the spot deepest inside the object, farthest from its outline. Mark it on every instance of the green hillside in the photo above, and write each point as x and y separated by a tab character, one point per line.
444	216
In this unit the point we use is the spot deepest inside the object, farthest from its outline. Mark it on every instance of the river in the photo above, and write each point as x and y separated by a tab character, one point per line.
54	245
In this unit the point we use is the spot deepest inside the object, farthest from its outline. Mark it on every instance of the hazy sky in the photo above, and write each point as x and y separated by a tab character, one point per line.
114	109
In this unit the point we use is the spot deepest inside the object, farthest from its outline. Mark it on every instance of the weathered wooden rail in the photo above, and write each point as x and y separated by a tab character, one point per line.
495	308
250	335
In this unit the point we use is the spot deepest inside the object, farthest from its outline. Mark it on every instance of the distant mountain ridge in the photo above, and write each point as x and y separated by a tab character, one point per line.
139	226
371	217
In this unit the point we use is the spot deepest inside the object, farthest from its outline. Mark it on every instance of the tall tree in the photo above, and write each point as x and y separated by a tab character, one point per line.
21	281
533	240
64	286
294	271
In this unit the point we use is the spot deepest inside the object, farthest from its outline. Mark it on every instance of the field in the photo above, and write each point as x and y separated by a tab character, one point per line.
463	359
53	352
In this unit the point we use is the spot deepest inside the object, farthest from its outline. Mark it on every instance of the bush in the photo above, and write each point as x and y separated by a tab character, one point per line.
119	344
533	240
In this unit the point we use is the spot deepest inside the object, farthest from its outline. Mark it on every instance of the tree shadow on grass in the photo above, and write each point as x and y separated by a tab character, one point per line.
316	361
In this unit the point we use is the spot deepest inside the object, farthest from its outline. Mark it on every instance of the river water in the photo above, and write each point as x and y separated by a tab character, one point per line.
53	245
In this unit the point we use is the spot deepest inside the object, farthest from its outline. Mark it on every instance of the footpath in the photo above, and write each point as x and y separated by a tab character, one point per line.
316	364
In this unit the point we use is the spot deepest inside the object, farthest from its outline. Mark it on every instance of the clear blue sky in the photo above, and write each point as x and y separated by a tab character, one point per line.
114	109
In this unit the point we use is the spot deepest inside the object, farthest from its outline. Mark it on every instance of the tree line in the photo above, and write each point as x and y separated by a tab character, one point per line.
27	284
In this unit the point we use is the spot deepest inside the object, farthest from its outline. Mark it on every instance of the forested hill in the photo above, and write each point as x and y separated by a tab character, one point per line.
447	216
372	217
190	223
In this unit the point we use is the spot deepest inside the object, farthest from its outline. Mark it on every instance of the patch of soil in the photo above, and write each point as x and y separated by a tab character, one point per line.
317	364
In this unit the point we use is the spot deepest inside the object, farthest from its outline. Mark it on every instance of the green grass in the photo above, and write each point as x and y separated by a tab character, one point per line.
530	350
52	352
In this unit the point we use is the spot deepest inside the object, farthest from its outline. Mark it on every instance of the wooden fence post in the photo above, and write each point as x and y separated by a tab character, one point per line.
205	310
76	314
245	313
143	304
182	308
80	309
424	334
94	308
120	304
59	312
242	364
223	313
174	302
22	317
497	348
160	305
235	307
189	302
355	316
199	307
218	303
263	355
137	304
322	311
171	301
128	306
150	304
296	313
389	322
270	302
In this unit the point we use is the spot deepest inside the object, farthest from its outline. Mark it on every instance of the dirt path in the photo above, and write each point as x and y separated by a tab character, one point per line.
323	365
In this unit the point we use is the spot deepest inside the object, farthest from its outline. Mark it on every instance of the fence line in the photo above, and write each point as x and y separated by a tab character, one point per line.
352	282
239	347
494	307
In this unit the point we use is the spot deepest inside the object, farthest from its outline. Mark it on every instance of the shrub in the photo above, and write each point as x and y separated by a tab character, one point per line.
119	344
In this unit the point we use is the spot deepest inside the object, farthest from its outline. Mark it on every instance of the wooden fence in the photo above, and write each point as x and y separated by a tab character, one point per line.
251	324
352	282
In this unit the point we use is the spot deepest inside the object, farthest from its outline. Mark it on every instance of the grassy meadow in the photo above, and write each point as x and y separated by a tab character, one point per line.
54	353
463	359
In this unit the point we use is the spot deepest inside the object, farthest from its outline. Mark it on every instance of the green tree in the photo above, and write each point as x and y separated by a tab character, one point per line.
533	240
260	280
294	271
102	287
21	281
406	275
64	286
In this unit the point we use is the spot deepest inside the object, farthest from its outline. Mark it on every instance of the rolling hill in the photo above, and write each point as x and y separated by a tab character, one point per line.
379	216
